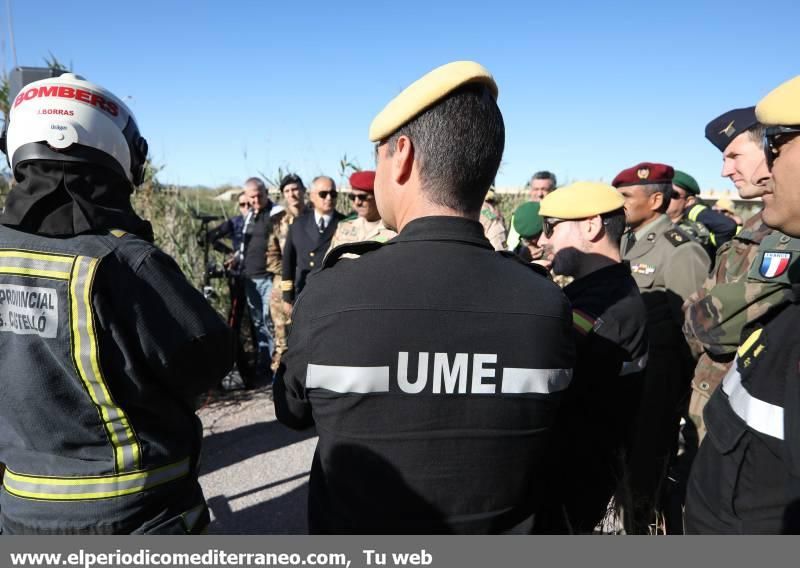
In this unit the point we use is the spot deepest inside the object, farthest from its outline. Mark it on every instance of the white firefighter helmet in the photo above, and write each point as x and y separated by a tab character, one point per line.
69	119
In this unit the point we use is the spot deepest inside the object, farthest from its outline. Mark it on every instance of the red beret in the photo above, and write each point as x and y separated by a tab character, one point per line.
645	173
365	181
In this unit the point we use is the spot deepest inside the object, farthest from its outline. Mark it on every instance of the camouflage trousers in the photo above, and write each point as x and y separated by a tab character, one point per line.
279	320
708	376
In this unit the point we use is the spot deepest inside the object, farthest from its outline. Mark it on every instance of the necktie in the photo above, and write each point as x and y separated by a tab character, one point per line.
630	242
321	224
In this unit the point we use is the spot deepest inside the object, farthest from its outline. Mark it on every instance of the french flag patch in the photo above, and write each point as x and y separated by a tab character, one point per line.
774	264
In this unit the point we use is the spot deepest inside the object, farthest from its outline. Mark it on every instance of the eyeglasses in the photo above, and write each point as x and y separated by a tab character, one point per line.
243	204
549	225
360	196
326	194
774	138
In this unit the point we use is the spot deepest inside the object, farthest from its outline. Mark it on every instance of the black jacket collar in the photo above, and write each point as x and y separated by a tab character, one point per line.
443	228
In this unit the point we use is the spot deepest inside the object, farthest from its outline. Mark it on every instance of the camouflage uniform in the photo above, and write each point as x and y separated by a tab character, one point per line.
494	226
359	229
280	229
735	294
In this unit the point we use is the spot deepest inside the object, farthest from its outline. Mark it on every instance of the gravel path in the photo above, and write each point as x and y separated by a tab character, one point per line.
254	470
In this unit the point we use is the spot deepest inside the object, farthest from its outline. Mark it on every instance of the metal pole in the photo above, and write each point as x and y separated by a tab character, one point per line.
11	33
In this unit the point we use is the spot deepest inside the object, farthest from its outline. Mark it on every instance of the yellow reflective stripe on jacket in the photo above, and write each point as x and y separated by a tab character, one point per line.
695	211
36	264
94	487
713	238
127	454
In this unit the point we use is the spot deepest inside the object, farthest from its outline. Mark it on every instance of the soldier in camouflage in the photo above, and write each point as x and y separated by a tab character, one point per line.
494	226
737	292
293	192
367	224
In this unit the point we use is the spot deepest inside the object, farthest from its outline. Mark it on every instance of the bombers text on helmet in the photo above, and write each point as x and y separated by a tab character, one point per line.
69	119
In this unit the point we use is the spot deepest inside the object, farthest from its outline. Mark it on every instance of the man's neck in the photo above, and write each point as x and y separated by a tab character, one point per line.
642	226
296	210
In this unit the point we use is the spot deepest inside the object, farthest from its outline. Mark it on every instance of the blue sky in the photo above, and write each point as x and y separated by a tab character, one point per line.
223	90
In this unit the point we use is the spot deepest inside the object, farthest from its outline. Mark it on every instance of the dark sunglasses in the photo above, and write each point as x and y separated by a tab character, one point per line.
325	194
549	225
774	138
243	204
360	196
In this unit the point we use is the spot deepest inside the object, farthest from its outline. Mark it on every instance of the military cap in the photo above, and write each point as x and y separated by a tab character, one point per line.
781	107
580	200
728	126
364	181
646	173
425	92
527	221
686	182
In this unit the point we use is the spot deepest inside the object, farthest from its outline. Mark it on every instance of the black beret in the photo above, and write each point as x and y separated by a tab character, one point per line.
728	126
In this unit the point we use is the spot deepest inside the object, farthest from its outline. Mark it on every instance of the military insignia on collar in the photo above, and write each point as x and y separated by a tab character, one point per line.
729	130
643	173
774	263
642	268
651	237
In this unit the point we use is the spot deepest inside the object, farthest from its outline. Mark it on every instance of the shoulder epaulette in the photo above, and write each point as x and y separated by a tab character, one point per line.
532	265
677	237
359	249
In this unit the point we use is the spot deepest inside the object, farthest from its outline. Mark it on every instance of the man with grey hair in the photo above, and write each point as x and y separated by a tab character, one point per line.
541	184
256	279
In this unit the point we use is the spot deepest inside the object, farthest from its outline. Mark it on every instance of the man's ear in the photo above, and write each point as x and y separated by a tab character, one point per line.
656	200
593	228
402	160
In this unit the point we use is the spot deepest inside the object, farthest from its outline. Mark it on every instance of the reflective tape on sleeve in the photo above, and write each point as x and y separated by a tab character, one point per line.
96	487
759	415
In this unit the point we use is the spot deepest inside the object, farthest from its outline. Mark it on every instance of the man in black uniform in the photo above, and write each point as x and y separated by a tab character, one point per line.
105	343
309	239
746	476
583	224
433	375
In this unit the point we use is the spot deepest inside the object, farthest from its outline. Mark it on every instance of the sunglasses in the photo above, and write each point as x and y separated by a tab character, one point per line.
326	194
549	225
774	138
360	196
243	204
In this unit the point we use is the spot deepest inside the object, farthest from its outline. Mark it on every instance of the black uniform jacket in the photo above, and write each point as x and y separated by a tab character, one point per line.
594	428
746	477
432	367
304	251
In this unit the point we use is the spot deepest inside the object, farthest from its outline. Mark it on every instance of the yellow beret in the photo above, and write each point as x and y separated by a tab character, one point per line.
426	91
781	107
580	200
725	204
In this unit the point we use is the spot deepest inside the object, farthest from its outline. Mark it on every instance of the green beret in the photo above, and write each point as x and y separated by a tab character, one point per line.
527	221
686	182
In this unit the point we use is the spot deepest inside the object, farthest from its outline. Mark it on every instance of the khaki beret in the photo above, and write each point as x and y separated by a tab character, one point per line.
781	107
580	200
425	92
